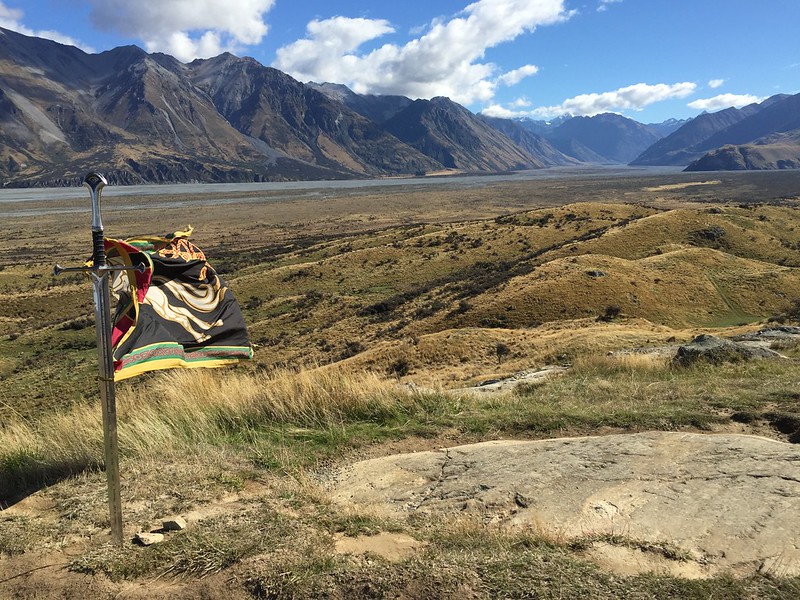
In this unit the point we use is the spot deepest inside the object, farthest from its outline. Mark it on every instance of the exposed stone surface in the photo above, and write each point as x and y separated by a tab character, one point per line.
148	538
716	350
530	376
174	524
729	501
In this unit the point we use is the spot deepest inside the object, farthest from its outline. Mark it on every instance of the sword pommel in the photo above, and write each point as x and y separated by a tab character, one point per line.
95	182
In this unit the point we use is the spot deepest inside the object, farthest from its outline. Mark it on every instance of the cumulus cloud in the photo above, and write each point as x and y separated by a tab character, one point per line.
724	101
496	110
186	29
444	61
517	75
715	83
11	18
632	97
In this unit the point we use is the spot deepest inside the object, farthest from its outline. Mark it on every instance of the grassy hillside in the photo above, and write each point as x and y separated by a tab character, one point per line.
325	286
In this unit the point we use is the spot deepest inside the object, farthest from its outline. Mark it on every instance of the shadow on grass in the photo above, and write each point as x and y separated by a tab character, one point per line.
22	475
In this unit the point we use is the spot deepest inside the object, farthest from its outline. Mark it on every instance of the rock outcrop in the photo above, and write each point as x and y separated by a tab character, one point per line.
727	503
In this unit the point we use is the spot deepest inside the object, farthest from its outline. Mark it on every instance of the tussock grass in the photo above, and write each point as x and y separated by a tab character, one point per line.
286	420
180	410
622	363
637	393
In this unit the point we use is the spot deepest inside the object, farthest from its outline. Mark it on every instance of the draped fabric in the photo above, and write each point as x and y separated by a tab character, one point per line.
178	313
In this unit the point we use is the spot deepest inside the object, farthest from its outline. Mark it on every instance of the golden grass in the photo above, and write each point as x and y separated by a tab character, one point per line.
179	409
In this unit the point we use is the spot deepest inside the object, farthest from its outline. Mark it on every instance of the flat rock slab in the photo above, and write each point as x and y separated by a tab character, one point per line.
731	502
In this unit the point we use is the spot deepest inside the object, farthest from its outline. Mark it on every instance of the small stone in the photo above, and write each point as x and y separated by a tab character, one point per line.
174	524
148	539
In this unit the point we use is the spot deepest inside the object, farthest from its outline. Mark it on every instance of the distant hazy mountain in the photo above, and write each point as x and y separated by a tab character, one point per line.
541	127
667	127
535	144
457	138
378	108
611	137
681	146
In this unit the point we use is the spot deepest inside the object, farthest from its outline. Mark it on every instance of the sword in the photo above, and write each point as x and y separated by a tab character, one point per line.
99	271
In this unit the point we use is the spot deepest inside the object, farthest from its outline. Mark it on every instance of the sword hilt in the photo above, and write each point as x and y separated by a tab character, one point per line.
95	182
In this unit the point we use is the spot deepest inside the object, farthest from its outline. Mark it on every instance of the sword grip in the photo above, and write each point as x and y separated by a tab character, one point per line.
98	248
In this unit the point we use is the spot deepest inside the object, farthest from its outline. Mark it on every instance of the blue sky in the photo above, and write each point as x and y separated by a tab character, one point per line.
646	59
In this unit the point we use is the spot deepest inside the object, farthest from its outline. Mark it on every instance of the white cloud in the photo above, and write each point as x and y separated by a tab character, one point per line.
186	29
603	6
445	61
632	97
517	75
495	110
724	101
715	83
11	18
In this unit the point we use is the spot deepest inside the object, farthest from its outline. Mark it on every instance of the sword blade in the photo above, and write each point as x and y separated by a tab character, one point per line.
105	359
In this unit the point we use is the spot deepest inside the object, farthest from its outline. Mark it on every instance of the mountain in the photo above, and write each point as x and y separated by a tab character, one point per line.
778	114
378	108
679	148
769	138
299	121
457	138
667	127
535	144
66	111
149	118
611	137
775	151
710	132
542	127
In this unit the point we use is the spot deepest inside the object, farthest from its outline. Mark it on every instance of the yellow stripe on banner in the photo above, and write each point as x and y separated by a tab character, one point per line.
171	363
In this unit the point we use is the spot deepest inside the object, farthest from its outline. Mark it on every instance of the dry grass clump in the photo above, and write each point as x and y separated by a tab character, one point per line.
621	362
178	410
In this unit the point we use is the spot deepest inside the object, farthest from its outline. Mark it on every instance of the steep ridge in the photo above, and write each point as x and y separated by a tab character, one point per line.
535	144
778	114
678	147
125	109
299	121
734	139
377	108
456	138
768	139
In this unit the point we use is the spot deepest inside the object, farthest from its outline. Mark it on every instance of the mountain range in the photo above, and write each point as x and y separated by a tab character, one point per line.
148	118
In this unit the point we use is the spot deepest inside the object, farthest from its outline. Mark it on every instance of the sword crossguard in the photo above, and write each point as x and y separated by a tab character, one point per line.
58	269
